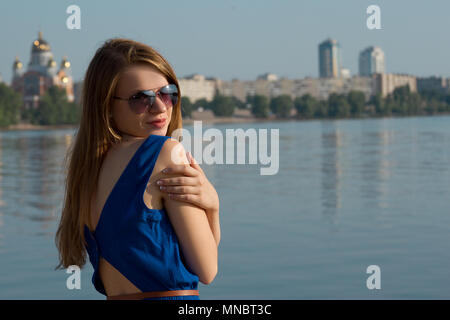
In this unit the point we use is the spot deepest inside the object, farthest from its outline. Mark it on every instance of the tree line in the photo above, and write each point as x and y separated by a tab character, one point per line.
353	104
53	108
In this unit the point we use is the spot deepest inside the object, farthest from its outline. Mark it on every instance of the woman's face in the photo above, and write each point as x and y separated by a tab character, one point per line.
136	78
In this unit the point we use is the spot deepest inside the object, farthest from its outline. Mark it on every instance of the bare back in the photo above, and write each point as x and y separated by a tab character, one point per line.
112	168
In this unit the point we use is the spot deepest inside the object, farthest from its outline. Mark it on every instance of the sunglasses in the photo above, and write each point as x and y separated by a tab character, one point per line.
144	100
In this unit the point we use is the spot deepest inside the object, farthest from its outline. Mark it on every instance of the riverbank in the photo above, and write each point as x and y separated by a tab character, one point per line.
222	120
27	126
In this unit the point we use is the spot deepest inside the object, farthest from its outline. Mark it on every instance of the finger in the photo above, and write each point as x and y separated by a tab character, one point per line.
185	198
177	181
194	163
189	156
183	169
180	189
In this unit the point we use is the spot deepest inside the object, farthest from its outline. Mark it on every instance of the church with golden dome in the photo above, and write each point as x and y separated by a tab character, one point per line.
42	72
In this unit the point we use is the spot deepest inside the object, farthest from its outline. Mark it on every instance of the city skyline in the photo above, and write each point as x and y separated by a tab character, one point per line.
41	73
287	50
329	63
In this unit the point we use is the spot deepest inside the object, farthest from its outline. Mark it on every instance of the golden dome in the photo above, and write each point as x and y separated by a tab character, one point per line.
65	63
40	45
17	64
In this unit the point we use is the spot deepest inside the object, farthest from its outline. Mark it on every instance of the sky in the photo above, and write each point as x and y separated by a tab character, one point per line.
231	39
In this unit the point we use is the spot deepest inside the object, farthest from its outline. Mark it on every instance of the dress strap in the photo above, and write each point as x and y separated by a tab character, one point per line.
146	161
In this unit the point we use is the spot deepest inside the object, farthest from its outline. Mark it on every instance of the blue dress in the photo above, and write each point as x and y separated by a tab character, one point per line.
139	242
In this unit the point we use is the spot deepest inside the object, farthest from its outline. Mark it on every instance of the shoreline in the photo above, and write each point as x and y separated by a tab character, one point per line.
26	126
219	120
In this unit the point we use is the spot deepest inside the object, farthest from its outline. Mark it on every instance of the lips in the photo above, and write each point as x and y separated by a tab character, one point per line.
158	123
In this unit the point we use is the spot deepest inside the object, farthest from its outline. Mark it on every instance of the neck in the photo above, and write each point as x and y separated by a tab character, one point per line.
127	138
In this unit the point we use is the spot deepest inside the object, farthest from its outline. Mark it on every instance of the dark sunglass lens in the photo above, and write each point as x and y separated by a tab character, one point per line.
169	95
169	99
140	102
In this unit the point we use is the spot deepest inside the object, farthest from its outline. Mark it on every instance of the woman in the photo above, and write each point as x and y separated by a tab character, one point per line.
144	241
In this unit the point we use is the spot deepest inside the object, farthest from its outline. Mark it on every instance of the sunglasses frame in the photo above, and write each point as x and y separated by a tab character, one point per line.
151	94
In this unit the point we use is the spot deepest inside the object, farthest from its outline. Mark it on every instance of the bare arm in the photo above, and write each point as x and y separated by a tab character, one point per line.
190	222
191	185
214	224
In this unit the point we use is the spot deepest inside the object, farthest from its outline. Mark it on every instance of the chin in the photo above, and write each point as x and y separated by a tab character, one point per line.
159	132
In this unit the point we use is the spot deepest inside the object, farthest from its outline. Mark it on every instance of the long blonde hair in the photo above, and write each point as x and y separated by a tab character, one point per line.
95	136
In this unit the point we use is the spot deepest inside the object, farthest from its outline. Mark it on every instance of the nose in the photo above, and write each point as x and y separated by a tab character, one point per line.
158	106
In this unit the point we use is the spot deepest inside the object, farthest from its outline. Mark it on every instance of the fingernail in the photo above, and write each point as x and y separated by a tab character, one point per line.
166	170
159	182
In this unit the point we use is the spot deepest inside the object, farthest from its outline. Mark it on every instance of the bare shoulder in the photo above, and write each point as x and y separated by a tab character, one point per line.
172	153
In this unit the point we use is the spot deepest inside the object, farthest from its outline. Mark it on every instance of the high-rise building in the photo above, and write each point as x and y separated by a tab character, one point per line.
330	59
371	60
42	72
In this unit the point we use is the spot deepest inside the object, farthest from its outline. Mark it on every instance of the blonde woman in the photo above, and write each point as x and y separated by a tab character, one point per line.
144	240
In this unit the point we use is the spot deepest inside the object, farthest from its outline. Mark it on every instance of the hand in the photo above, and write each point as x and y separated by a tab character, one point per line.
192	186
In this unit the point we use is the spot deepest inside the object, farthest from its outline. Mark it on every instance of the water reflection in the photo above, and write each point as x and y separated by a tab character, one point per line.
32	186
331	167
374	152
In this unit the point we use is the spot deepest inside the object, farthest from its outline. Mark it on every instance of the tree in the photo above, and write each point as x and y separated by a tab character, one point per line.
48	112
389	105
186	107
399	100
338	106
10	105
414	103
378	101
222	106
306	105
238	103
401	93
432	106
201	103
260	105
357	101
55	109
321	109
282	105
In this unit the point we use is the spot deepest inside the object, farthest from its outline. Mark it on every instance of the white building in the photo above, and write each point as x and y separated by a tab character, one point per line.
386	83
345	73
197	87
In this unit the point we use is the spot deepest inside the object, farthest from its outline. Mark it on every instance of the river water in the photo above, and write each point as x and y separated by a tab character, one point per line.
348	194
